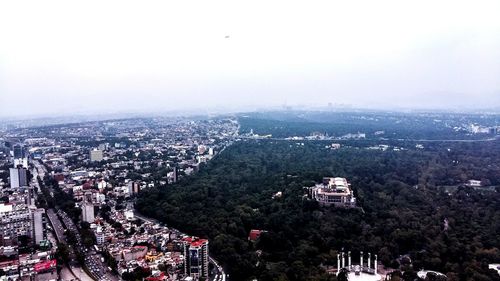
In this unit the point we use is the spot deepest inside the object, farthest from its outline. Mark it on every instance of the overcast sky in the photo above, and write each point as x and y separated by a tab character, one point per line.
106	56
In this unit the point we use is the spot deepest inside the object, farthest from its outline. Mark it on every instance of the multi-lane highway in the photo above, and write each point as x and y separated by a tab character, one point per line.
59	230
93	263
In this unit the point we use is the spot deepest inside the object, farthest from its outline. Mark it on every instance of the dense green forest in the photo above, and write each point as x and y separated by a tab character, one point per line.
401	197
282	124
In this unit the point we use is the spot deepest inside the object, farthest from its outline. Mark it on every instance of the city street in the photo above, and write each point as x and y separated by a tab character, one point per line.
93	263
75	271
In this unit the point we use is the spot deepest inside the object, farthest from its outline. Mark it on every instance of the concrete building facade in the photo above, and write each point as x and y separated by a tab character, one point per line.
15	221
18	177
37	224
88	212
195	257
333	191
96	155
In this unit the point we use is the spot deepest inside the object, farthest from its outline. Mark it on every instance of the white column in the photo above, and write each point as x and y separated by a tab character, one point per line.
349	257
338	262
376	264
369	259
361	259
343	259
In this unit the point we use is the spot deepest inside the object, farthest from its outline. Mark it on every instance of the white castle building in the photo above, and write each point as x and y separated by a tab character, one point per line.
333	191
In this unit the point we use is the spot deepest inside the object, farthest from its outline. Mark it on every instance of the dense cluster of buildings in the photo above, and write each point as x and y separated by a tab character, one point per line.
104	165
148	245
25	252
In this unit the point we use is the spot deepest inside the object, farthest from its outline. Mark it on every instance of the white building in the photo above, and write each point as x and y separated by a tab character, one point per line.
474	183
99	235
88	212
423	273
21	162
96	155
18	177
129	215
333	191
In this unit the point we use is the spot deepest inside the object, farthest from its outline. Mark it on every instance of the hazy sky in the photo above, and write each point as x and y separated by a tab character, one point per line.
99	56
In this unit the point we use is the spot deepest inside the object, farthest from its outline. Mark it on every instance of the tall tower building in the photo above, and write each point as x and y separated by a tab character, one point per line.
18	151
18	177
88	212
20	156
195	257
37	224
174	175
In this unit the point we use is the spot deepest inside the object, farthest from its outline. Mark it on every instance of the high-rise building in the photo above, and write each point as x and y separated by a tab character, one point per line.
195	257
37	224
133	187
20	156
18	151
96	155
18	177
88	212
15	221
29	196
174	175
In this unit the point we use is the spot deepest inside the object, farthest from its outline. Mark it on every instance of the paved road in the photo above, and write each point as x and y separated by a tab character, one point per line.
65	273
57	225
74	272
97	270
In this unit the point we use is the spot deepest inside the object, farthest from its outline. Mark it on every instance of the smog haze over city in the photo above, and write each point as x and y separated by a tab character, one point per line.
250	140
63	58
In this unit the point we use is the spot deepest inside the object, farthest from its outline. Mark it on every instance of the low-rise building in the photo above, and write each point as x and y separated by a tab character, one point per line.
333	191
96	155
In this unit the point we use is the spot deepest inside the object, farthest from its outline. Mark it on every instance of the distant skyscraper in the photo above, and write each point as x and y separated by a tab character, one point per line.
96	155
195	257
18	177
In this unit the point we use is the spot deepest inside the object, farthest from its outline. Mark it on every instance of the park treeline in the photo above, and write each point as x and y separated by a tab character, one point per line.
404	198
